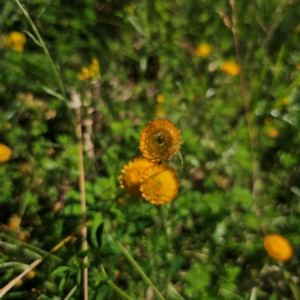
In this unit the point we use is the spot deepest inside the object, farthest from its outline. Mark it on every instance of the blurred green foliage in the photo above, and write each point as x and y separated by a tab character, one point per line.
241	146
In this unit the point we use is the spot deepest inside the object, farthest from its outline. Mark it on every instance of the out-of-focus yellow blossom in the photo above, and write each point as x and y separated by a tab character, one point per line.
268	121
231	68
203	50
129	9
5	153
297	66
15	40
283	101
273	132
93	71
160	98
278	247
297	29
14	222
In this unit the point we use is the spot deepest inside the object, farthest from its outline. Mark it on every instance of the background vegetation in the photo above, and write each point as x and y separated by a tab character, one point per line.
240	128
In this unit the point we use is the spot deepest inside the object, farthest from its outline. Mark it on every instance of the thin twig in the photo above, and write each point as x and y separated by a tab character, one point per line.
30	247
82	197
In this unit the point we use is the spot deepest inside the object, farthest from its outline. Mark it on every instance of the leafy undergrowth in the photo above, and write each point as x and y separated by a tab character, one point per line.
225	74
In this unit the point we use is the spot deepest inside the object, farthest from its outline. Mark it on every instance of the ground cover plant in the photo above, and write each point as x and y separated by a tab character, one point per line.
149	149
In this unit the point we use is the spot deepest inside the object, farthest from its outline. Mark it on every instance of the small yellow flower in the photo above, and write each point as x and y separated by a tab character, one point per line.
278	247
129	9
231	68
273	132
203	50
15	40
160	98
159	184
160	140
14	222
93	71
297	66
132	173
5	153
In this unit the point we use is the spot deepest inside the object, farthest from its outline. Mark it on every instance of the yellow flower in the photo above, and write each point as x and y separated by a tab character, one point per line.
129	9
273	132
14	222
159	184
5	153
231	68
160	140
278	247
90	72
132	173
160	98
297	66
203	50
15	40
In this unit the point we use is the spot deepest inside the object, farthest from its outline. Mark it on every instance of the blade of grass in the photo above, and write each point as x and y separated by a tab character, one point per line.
71	293
115	287
138	269
42	44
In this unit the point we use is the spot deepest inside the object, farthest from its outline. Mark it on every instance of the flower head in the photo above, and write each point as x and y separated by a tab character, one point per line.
273	132
5	153
15	40
132	173
160	140
93	71
160	98
203	50
159	184
231	68
278	247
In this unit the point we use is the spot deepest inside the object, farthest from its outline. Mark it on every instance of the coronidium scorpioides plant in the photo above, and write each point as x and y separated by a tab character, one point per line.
160	141
149	176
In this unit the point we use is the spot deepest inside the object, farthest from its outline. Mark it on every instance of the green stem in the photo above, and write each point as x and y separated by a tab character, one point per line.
139	270
181	162
115	287
12	265
43	46
71	292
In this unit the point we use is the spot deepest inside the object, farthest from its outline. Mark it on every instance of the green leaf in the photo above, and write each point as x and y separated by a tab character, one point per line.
62	283
99	233
60	270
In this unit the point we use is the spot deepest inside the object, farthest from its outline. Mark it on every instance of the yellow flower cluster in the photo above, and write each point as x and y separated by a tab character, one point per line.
93	71
5	153
15	40
157	183
278	247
